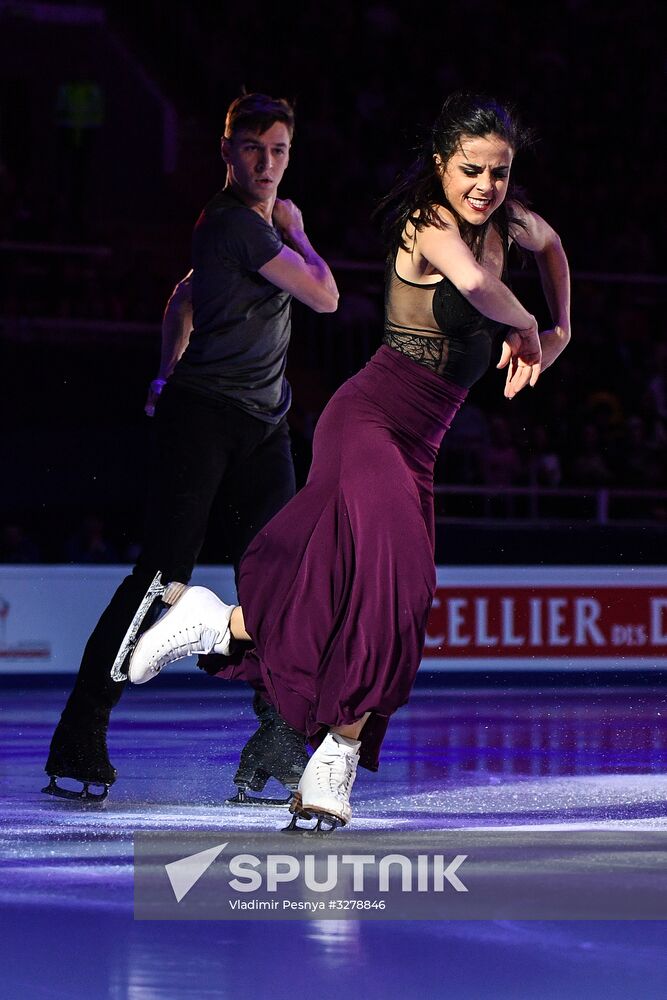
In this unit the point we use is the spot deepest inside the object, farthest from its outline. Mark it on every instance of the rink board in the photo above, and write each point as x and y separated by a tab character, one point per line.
483	618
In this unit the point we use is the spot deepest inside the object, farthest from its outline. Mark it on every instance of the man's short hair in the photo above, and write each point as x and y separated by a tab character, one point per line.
257	113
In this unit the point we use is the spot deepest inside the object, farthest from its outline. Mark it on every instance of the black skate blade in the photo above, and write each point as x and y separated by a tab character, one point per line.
82	797
243	799
325	824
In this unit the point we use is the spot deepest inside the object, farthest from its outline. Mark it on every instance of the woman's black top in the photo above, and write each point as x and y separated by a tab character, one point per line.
436	326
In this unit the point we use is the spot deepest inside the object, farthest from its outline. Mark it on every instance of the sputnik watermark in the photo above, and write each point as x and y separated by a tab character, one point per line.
428	875
370	874
252	873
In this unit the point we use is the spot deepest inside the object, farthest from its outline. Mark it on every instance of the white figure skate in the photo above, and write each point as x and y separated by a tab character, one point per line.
197	623
325	786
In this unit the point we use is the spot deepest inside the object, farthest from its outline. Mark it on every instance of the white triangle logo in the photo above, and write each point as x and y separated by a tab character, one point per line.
186	872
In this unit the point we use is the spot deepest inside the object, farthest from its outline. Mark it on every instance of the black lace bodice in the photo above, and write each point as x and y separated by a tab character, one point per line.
438	327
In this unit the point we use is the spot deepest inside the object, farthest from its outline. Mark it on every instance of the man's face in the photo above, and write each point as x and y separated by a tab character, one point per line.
256	163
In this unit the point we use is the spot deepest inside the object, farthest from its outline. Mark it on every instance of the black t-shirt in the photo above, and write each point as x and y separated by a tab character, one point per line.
241	321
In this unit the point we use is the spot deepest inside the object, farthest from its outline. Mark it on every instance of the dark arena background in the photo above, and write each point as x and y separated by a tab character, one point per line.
539	706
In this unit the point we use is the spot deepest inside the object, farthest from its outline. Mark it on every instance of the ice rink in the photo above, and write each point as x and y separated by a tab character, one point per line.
524	760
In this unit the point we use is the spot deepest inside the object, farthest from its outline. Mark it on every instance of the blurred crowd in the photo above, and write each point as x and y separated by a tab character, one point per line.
367	82
597	419
92	542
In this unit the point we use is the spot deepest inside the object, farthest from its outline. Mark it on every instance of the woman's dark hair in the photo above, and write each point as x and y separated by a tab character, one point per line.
418	191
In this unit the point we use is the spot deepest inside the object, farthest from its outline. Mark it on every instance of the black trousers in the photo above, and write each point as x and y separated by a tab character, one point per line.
208	457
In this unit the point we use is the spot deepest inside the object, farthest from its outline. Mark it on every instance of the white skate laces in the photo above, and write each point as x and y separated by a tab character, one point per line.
327	781
197	623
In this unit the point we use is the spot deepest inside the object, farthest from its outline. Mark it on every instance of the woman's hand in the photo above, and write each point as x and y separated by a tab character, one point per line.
522	351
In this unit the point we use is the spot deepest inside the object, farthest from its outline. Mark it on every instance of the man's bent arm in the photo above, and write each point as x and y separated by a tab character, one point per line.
310	283
176	326
176	330
298	268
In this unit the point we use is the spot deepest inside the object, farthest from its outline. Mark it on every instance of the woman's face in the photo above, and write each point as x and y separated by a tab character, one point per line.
476	175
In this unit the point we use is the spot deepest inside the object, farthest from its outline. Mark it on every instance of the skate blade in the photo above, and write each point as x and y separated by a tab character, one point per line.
243	799
309	813
146	615
82	797
325	823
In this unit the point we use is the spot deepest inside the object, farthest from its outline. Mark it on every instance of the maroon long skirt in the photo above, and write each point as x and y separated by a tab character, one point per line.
337	588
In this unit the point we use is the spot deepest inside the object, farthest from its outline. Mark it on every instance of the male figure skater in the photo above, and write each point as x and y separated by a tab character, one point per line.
220	427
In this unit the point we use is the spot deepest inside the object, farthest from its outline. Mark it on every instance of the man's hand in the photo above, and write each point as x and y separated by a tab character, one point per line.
522	351
298	268
553	342
287	217
154	390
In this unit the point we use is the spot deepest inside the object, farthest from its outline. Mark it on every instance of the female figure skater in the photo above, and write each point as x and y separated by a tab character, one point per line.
335	591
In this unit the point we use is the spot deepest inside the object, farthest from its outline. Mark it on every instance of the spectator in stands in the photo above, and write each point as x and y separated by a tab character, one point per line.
544	467
89	544
16	546
591	466
501	461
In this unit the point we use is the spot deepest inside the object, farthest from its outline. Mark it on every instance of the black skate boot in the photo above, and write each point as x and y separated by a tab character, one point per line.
275	750
79	752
